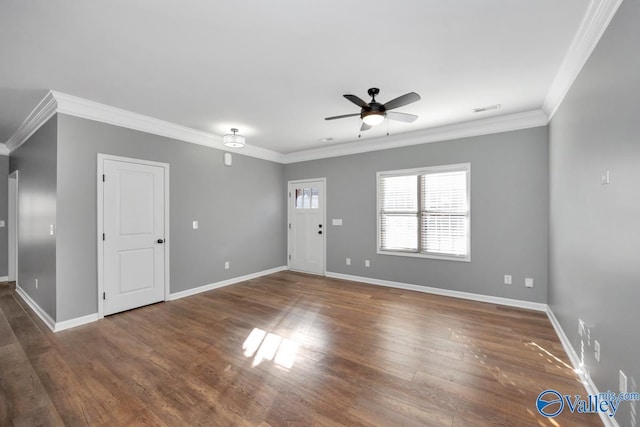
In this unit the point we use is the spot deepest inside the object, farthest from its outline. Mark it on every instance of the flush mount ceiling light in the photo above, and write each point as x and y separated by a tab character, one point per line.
233	140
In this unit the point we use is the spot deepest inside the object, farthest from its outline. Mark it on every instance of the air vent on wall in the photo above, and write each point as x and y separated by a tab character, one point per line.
488	108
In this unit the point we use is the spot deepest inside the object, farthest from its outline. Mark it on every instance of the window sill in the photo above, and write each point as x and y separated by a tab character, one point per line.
427	256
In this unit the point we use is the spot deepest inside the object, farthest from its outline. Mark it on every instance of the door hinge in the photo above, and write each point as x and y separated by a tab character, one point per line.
289	194
103	236
103	178
289	257
289	226
104	295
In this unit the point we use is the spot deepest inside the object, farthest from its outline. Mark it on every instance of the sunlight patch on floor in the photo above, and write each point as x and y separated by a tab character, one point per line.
269	346
544	351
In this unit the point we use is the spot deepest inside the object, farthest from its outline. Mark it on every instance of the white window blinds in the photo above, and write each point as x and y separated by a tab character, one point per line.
399	213
425	212
444	213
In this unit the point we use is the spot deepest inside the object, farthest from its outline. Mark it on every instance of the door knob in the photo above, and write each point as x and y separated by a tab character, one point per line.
320	232
160	241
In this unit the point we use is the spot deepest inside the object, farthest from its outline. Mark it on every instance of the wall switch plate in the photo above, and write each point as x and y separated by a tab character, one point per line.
336	221
195	225
227	159
596	350
528	282
367	263
348	261
605	178
623	382
227	265
36	283
1	223
507	279
52	229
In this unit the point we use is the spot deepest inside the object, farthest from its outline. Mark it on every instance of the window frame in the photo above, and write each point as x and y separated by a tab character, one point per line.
459	167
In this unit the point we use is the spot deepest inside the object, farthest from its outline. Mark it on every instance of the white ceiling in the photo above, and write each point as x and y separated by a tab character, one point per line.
275	69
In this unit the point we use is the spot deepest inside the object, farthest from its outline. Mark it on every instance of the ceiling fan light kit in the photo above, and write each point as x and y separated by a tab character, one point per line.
233	140
373	118
374	113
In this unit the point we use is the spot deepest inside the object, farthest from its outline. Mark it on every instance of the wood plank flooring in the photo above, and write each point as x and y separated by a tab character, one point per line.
286	349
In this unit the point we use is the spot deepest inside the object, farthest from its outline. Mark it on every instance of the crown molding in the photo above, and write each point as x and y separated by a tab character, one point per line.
592	27
83	108
57	102
492	125
39	116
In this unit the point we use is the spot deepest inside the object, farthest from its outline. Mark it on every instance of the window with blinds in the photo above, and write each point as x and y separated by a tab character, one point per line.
425	212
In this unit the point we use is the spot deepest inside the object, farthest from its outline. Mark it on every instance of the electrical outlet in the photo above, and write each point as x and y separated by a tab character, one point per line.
227	265
367	263
596	350
528	282
195	225
623	382
348	261
36	283
507	279
580	327
605	178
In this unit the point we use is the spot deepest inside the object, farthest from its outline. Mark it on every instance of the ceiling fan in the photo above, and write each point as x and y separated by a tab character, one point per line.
373	113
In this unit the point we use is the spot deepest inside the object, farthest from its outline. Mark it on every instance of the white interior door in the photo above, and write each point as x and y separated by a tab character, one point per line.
134	235
307	228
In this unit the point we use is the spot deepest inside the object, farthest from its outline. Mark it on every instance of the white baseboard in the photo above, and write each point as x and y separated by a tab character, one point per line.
586	380
4	278
216	285
445	292
78	321
83	320
36	308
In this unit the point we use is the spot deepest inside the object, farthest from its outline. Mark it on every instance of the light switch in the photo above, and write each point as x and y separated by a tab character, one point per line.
195	225
337	221
52	229
1	223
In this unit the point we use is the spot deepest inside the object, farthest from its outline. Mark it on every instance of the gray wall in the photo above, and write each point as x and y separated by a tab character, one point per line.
509	213
36	162
4	214
594	250
240	210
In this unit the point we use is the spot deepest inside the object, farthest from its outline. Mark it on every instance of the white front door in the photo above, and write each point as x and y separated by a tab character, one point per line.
134	234
307	228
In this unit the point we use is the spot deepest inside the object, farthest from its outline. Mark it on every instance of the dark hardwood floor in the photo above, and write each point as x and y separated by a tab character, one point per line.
286	349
